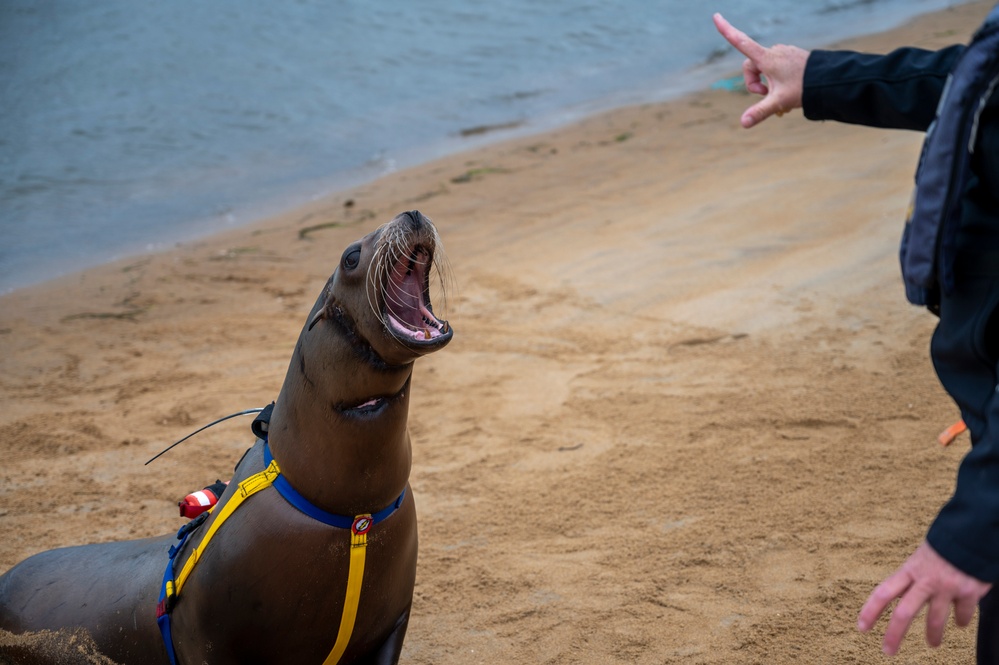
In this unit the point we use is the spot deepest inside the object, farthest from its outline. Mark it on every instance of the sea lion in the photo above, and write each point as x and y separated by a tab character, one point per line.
269	583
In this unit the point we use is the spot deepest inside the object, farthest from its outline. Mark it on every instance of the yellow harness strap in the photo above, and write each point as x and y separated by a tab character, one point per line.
246	489
358	551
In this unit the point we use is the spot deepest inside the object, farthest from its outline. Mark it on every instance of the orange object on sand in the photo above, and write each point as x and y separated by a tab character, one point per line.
948	435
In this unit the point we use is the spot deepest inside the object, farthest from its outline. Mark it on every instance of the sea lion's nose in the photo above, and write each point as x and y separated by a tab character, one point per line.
416	219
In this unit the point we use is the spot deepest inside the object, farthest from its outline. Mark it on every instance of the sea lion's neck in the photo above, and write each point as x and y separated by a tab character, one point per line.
343	463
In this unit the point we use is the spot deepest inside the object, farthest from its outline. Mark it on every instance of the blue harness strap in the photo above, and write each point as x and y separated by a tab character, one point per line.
292	496
167	594
169	591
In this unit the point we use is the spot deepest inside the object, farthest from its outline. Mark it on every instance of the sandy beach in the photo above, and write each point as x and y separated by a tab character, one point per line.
687	416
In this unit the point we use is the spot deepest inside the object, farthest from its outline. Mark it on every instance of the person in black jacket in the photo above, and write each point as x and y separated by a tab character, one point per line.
958	562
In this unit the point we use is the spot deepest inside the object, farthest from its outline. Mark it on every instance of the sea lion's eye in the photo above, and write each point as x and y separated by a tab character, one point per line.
351	258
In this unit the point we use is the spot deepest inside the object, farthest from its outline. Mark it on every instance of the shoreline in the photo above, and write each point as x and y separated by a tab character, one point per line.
687	415
468	139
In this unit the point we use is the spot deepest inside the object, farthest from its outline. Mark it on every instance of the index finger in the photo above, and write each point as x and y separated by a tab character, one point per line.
737	38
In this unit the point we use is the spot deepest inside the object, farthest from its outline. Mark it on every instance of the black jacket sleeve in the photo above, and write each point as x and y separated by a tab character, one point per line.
966	532
895	91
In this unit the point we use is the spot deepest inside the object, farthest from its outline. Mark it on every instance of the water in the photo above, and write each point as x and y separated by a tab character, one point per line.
128	127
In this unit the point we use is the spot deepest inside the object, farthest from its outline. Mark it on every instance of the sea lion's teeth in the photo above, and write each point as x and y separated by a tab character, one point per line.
445	327
426	333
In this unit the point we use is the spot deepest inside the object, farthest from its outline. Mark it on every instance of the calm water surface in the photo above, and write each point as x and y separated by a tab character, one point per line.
127	127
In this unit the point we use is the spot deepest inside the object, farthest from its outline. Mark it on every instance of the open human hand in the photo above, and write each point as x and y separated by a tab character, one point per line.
925	579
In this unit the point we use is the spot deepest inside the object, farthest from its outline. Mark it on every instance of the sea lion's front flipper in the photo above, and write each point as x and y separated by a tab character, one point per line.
391	648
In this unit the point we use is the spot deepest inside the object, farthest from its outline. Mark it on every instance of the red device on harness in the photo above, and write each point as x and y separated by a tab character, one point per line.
198	502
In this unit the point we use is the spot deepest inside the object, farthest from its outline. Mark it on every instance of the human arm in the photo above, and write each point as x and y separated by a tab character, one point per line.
960	557
899	90
966	532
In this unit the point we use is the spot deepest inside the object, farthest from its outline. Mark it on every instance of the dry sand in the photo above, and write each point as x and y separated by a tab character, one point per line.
687	416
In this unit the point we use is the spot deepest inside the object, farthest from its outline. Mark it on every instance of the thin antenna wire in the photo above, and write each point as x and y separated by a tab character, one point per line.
233	415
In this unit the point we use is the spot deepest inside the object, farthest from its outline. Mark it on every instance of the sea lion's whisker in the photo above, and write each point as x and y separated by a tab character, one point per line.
391	298
375	279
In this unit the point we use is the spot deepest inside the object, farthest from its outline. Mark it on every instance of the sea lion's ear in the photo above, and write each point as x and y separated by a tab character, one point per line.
262	421
320	315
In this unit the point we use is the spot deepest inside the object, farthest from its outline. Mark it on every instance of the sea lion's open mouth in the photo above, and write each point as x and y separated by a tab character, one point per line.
408	259
408	311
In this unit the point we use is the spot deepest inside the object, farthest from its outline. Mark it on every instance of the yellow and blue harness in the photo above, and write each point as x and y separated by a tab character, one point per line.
271	476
